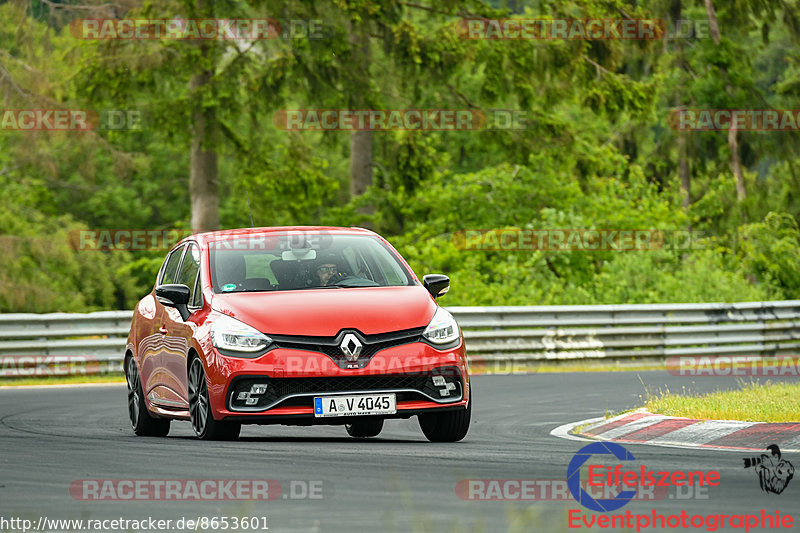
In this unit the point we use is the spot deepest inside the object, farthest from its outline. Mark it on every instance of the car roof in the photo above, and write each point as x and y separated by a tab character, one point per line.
213	236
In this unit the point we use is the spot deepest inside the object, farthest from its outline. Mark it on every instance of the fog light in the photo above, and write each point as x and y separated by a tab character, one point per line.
249	397
446	391
439	382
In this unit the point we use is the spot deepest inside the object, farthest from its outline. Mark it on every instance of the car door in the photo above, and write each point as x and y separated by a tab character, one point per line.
174	388
151	348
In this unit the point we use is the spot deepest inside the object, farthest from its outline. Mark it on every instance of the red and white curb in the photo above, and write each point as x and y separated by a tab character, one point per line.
642	427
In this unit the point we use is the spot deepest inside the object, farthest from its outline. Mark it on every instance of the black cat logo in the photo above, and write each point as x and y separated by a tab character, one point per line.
774	473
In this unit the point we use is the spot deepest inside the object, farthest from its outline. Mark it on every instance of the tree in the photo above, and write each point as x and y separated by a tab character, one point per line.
733	145
204	170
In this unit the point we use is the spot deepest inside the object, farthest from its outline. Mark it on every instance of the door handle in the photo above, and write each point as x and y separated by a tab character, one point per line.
162	330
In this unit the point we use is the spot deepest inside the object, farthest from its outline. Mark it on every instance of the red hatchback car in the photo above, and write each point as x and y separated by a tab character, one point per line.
296	326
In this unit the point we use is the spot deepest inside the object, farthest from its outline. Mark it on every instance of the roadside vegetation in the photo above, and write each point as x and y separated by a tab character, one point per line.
752	402
595	149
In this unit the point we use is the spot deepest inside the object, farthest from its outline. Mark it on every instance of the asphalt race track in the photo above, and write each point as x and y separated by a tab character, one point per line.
50	438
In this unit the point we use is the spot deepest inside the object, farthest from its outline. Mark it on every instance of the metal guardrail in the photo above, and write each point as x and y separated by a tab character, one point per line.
62	343
34	344
631	332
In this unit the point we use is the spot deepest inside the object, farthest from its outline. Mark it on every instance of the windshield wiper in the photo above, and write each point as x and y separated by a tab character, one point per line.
248	290
256	290
355	283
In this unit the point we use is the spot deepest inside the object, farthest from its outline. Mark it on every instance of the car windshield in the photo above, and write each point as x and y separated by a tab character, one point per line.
299	261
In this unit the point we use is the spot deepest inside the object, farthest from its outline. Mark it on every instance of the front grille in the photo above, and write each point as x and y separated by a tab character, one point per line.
300	391
330	346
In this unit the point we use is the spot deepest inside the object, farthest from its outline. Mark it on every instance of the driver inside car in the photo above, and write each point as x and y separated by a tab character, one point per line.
328	271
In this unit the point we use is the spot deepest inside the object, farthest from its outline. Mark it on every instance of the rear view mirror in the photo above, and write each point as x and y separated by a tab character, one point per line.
299	254
175	295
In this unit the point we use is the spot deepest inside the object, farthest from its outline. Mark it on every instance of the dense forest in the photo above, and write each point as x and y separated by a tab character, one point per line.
593	143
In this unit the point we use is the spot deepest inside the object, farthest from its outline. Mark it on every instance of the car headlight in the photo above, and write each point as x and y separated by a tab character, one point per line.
442	329
227	333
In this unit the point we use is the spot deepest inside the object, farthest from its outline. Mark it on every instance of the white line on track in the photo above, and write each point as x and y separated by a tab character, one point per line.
563	431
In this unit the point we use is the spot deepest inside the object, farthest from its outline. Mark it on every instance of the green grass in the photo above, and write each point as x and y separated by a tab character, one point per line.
63	380
753	402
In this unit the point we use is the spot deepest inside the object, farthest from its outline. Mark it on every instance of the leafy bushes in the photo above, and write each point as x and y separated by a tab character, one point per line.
43	273
758	262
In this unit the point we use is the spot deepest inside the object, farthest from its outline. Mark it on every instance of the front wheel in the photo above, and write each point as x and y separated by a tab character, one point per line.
449	426
366	428
203	422
142	423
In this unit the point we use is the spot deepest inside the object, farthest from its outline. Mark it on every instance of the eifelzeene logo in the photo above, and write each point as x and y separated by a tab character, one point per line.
774	472
617	476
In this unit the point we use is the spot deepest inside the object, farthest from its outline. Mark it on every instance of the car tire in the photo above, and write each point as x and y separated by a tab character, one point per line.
200	415
362	429
142	423
450	426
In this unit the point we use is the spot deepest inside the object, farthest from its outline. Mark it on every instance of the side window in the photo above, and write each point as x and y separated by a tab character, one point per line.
197	297
170	271
189	269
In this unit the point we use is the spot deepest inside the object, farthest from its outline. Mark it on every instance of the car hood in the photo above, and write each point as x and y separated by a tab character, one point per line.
325	312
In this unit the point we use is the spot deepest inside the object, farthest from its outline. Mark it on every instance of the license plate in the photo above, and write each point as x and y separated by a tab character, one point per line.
367	404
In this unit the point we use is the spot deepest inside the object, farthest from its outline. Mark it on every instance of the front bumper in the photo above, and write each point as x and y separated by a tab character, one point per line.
294	377
258	394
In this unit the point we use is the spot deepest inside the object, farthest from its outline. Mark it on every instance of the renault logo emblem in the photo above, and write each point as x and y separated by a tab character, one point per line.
351	347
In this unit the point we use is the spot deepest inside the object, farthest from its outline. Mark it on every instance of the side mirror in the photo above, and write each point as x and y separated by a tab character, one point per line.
437	284
175	295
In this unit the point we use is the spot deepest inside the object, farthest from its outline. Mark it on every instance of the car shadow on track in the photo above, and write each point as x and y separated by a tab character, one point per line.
290	439
373	440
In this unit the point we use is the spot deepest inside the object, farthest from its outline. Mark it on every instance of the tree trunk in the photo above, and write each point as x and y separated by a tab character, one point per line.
204	171
360	162
203	167
683	169
360	141
684	172
736	164
733	143
712	21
